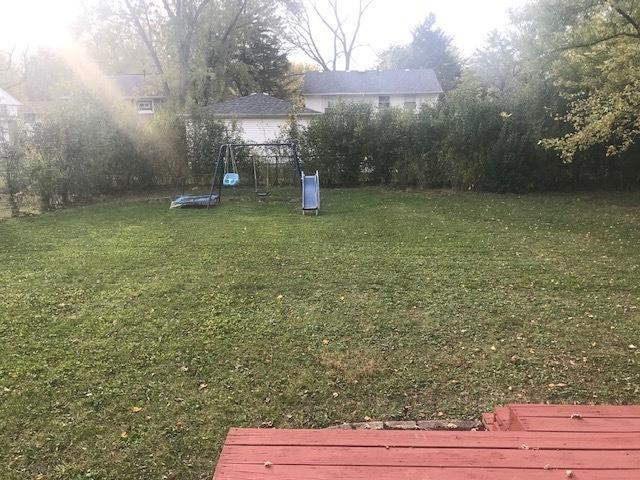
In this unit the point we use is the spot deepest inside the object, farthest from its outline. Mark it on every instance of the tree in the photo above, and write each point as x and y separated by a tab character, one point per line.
497	65
202	49
432	48
591	49
239	51
343	30
12	171
260	64
12	67
107	34
47	77
166	29
184	16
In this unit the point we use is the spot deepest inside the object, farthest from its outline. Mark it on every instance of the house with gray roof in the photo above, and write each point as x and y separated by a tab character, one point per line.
260	117
382	88
142	90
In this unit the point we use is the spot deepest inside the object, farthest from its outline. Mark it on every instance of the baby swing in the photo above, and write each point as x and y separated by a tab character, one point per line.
231	177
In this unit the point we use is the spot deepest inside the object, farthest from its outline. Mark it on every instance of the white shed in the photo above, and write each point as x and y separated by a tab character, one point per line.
260	117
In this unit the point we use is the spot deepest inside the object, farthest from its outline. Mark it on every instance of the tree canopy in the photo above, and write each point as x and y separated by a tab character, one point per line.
591	50
430	47
203	50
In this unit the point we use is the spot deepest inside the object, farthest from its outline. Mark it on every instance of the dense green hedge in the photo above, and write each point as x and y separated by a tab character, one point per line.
82	148
467	141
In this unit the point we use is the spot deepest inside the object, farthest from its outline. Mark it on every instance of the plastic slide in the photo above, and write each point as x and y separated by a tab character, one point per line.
310	193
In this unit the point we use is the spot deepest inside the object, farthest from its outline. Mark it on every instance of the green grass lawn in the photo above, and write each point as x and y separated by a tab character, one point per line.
132	337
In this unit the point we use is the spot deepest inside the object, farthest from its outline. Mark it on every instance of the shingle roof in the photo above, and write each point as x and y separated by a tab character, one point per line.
138	85
6	99
373	81
254	105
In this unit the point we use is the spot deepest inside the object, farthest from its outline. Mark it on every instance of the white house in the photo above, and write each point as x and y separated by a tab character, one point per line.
260	117
8	114
381	88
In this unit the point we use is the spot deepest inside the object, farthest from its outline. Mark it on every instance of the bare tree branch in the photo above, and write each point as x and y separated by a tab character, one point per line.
16	72
146	37
595	42
349	50
213	57
304	37
627	17
184	16
8	63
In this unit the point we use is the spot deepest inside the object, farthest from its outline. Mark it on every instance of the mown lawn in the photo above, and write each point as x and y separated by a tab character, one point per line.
133	336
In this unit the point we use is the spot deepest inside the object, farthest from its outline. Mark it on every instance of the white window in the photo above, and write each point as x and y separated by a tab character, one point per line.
410	102
330	102
145	106
384	101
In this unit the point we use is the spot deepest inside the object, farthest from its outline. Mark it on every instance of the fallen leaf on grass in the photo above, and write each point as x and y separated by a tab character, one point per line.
136	409
124	434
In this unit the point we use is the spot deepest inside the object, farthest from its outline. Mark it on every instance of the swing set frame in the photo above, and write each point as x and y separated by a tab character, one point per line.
228	149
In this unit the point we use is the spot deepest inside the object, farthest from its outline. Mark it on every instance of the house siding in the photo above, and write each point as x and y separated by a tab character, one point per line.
322	102
8	117
261	130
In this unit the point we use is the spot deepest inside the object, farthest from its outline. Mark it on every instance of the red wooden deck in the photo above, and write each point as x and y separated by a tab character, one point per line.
565	418
580	443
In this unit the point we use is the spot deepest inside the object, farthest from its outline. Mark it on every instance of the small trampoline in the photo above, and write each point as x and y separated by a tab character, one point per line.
194	201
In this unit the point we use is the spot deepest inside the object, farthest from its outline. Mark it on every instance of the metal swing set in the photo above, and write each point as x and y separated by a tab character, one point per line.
231	176
226	174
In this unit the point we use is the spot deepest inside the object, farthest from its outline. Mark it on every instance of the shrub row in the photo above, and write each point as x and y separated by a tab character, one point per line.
82	149
467	141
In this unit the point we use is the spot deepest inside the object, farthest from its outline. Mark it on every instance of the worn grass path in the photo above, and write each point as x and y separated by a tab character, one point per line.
132	336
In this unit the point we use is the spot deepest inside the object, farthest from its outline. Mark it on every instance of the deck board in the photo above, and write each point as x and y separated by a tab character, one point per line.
434	439
594	411
547	424
525	442
288	472
432	457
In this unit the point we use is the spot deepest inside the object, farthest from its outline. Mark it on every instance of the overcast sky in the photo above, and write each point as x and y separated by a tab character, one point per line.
46	23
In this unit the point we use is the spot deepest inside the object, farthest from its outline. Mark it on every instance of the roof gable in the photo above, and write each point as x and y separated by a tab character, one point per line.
7	99
372	82
254	105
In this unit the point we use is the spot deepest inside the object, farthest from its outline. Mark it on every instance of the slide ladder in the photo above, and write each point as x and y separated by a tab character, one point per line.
310	193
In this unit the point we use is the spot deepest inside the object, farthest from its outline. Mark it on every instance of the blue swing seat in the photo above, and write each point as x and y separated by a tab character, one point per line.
231	179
